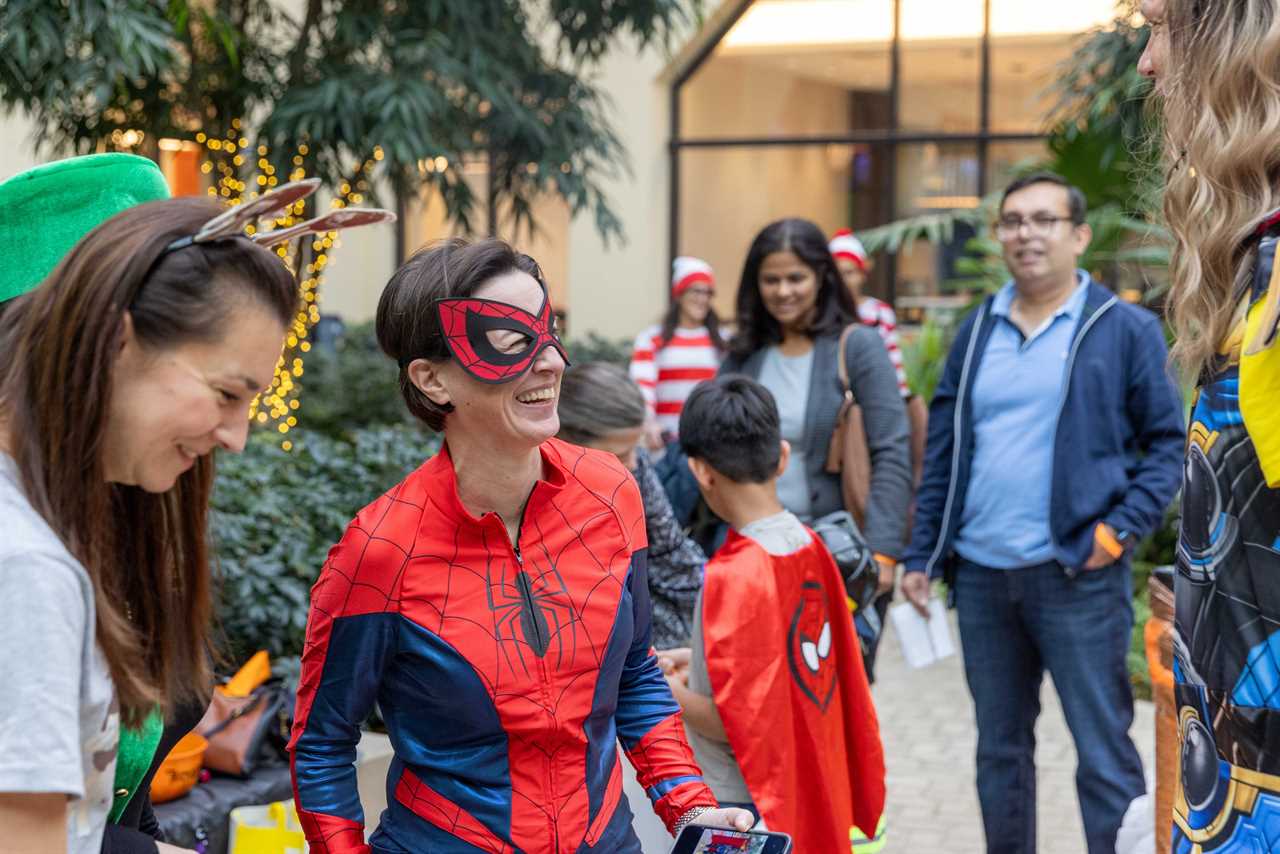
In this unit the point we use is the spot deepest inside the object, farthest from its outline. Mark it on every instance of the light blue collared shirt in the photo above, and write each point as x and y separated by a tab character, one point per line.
1016	395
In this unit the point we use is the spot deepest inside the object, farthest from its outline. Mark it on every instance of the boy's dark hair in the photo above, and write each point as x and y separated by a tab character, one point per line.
1077	206
731	423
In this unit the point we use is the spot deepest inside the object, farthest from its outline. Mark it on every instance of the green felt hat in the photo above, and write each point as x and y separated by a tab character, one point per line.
46	210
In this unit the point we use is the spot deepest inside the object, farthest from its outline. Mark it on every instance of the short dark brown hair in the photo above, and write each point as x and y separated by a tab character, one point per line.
731	423
407	324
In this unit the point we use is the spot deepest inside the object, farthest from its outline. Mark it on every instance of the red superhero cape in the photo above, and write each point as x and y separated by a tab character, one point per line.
786	672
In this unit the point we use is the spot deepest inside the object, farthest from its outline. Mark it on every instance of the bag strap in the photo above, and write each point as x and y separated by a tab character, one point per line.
236	714
842	361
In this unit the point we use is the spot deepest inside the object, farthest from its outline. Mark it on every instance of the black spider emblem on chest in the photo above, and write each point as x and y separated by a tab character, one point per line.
532	612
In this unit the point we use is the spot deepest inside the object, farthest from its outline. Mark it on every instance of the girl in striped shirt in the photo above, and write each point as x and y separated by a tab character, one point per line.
851	259
673	356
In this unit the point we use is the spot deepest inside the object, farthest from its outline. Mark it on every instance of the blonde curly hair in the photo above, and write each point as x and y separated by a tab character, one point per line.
1221	107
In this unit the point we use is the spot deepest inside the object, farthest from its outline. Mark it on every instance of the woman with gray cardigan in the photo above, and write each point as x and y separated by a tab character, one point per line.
791	309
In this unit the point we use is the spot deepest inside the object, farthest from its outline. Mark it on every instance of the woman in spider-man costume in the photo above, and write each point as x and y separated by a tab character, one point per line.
494	603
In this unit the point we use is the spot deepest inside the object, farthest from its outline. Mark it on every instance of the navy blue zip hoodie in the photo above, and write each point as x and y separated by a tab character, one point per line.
1118	449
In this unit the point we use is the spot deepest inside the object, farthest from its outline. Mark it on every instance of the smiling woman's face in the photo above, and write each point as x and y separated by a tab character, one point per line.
789	290
521	413
173	405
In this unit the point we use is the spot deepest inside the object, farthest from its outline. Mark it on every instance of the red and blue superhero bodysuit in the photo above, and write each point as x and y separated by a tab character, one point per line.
506	673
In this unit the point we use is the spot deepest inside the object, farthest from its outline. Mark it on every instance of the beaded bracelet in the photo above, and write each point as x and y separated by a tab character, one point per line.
688	818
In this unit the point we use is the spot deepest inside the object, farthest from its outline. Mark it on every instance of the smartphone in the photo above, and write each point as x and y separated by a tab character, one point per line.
697	839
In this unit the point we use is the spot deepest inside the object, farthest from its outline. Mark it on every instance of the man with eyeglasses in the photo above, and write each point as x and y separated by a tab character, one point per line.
1055	443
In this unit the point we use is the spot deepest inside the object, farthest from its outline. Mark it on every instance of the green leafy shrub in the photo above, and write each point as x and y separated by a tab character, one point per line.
924	355
277	512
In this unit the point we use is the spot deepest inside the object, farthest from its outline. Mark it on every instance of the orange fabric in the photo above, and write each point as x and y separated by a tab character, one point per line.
254	672
1103	536
793	696
1161	676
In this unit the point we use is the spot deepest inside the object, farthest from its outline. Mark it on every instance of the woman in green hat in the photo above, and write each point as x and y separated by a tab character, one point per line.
136	358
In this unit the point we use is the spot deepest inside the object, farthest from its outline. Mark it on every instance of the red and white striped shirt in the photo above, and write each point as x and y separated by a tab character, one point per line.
667	375
875	313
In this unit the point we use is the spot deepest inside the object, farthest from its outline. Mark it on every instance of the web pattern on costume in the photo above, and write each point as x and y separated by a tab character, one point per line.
565	610
538	646
574	593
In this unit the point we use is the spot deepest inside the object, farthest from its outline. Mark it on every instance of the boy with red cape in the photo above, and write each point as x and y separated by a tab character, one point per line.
776	700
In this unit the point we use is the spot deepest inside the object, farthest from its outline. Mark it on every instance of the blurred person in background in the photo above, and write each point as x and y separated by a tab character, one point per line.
673	356
792	308
1054	443
855	265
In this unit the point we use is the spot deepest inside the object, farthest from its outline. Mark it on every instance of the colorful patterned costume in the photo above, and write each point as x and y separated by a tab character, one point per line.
505	674
1227	647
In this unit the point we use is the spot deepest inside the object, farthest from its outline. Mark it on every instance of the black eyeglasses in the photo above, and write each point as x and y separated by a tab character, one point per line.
1039	225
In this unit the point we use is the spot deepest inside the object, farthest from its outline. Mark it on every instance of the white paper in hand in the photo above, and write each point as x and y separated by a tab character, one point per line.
923	641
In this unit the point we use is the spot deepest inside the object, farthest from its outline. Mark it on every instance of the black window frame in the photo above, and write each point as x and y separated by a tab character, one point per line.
890	139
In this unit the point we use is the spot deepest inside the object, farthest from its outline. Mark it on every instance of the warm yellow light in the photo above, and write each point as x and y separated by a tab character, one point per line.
797	23
1020	18
947	202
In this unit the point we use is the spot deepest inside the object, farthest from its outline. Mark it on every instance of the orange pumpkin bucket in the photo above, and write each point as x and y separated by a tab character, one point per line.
180	770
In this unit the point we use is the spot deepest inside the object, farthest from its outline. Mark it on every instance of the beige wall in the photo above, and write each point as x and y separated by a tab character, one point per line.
358	267
17	144
615	290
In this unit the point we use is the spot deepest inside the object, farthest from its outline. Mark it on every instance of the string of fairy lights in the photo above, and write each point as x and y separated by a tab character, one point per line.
227	155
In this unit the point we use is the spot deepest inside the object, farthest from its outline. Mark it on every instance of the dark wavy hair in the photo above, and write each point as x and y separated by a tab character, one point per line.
757	328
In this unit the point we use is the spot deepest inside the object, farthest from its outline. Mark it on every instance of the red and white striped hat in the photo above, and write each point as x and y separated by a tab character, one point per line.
687	271
844	245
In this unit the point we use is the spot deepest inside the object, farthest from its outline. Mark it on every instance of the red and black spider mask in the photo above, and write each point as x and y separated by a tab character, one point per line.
809	646
468	323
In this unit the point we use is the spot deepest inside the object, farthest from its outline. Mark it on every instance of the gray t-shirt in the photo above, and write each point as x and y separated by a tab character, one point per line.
787	378
59	721
779	535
